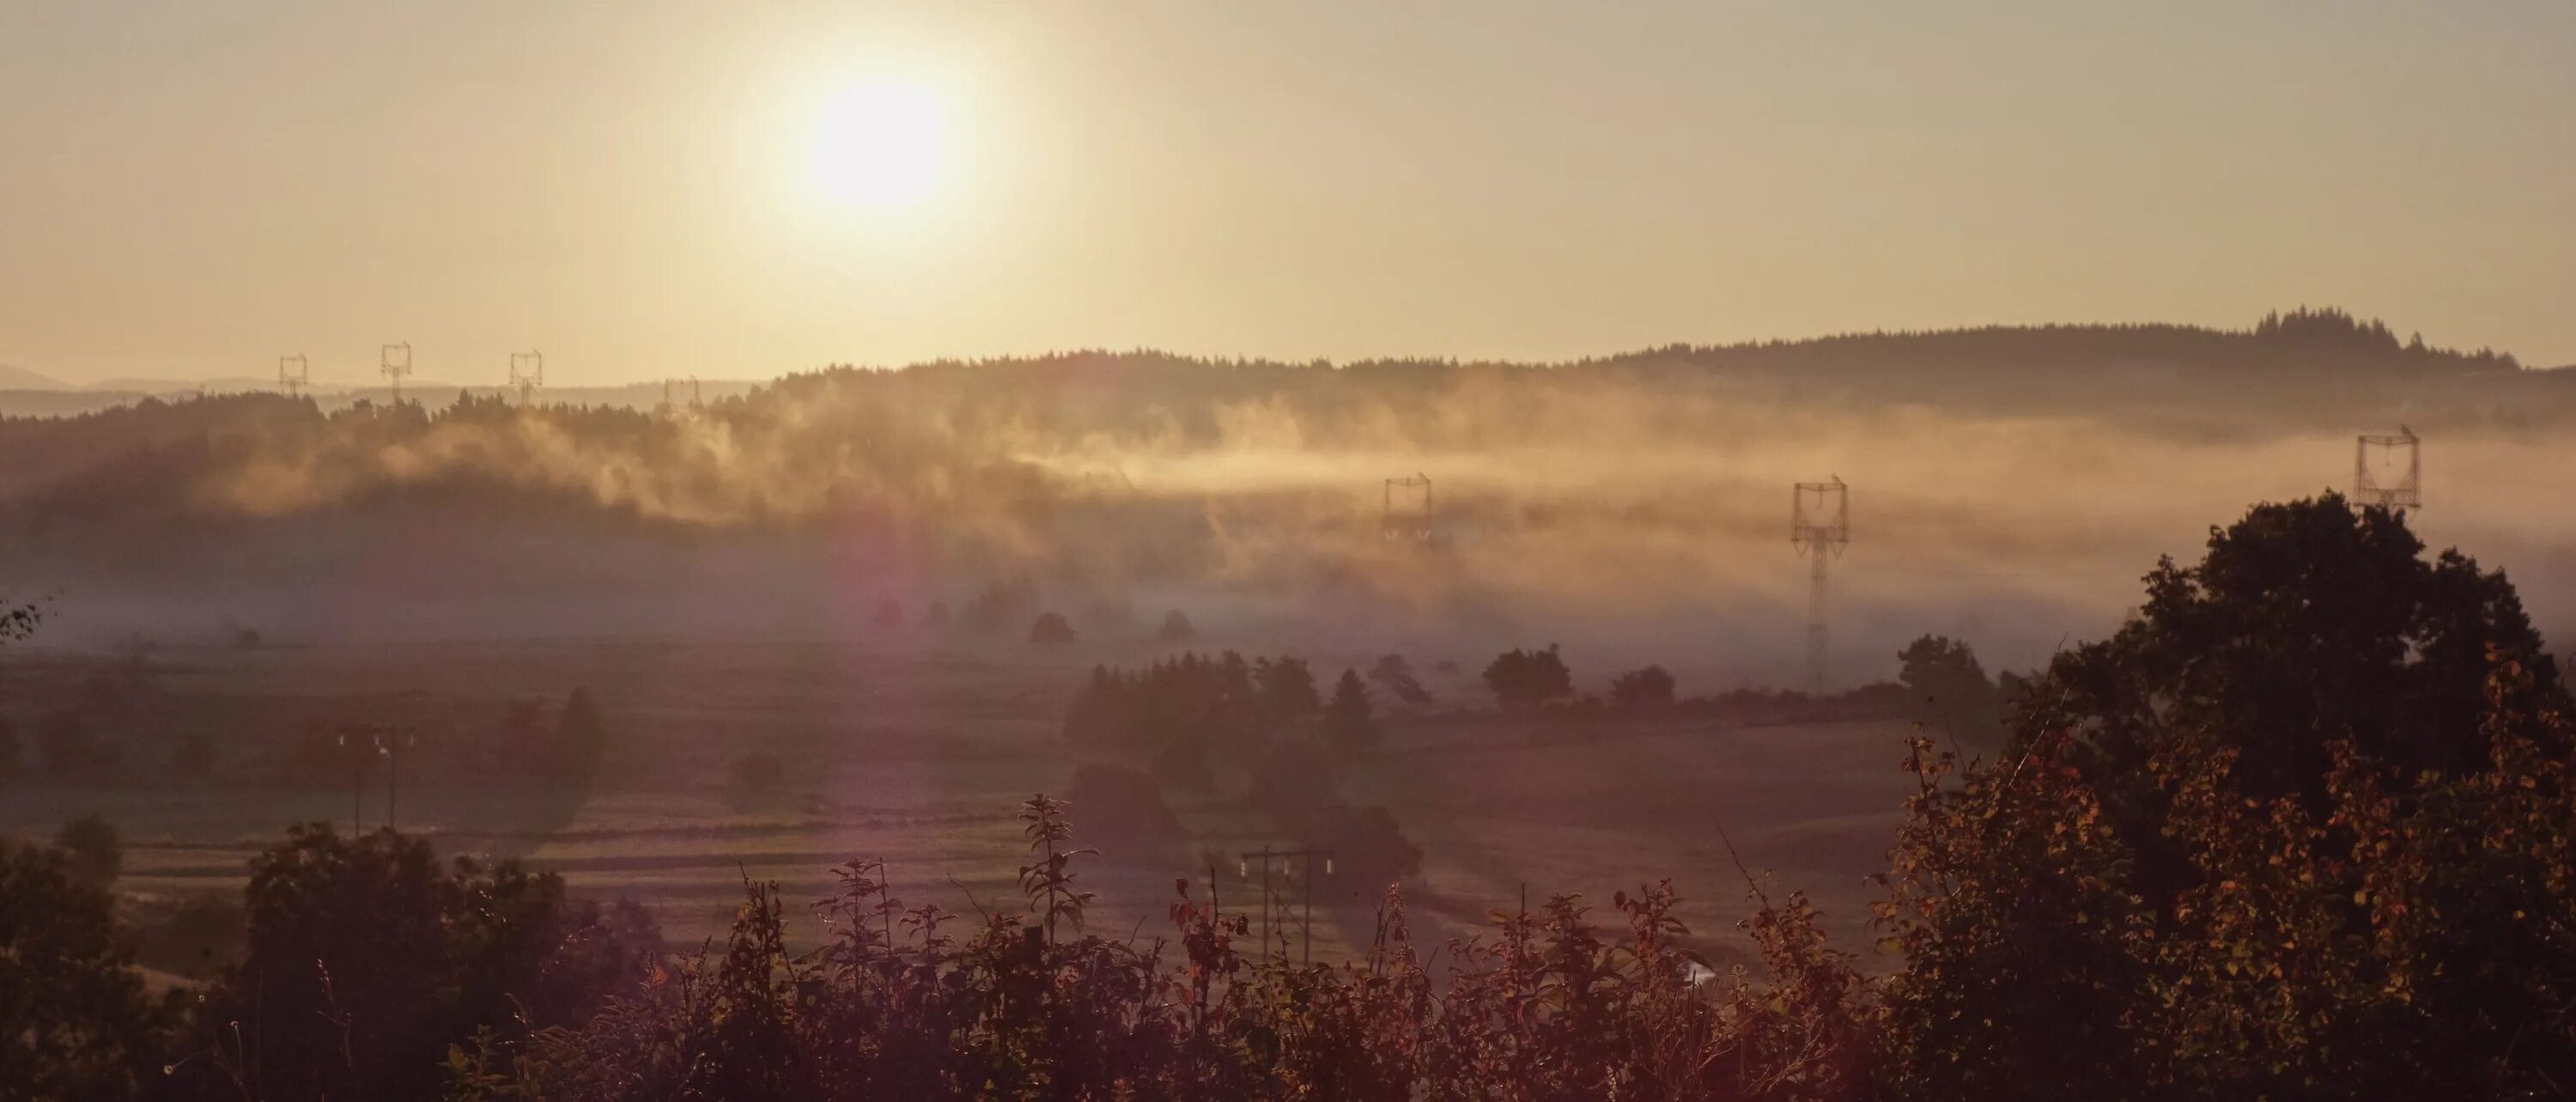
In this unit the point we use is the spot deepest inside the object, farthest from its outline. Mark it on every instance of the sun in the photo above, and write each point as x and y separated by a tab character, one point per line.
880	145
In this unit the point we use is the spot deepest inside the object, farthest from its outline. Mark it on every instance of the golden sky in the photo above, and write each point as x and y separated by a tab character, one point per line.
189	190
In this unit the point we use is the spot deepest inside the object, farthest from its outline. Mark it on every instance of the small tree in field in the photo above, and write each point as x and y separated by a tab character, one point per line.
1527	679
93	855
1348	725
1947	678
1286	687
1651	687
1393	672
1050	627
581	739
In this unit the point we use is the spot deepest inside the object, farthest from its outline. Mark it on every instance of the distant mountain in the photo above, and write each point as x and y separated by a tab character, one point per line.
19	378
229	384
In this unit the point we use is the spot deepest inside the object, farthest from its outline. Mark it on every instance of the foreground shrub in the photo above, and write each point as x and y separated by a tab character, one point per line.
1543	1007
366	958
75	1020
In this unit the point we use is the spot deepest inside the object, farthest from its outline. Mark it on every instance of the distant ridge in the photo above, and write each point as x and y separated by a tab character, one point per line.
19	378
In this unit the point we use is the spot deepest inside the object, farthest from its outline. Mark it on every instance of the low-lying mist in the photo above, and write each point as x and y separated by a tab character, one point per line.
1639	512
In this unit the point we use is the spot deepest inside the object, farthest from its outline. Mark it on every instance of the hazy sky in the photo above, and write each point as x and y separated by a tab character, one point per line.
190	189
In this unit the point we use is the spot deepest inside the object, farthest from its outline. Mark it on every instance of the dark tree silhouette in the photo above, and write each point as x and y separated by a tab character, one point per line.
1393	672
1651	687
1349	727
1527	679
75	1020
2305	624
581	736
1286	688
366	958
1946	678
93	854
1050	627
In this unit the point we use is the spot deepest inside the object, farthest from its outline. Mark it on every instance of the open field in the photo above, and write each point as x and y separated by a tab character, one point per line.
919	756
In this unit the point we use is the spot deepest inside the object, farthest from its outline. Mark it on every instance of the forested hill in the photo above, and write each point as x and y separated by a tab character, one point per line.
945	437
2313	367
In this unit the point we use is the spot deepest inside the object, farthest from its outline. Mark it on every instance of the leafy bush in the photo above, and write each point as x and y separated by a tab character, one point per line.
364	958
1651	687
1526	679
1396	676
1050	627
93	854
999	605
75	1020
199	936
1286	688
1349	728
1161	704
1947	681
1543	1006
1369	847
581	737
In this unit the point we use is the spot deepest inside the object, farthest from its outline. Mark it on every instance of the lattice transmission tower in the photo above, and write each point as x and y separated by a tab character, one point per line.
527	373
293	375
671	387
1407	511
2388	470
395	361
1820	526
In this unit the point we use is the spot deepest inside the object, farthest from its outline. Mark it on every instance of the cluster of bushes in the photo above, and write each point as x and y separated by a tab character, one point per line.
1178	708
1527	679
910	1002
1265	711
360	962
1942	684
1001	607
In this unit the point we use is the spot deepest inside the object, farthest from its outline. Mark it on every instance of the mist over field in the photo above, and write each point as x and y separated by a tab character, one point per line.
2008	487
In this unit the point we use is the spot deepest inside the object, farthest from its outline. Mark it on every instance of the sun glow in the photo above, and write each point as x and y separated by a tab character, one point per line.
880	145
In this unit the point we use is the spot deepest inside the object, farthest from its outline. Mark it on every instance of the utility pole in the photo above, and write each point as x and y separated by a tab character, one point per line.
352	743
1307	921
1820	526
293	375
395	361
1415	517
2406	489
527	373
391	744
387	743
